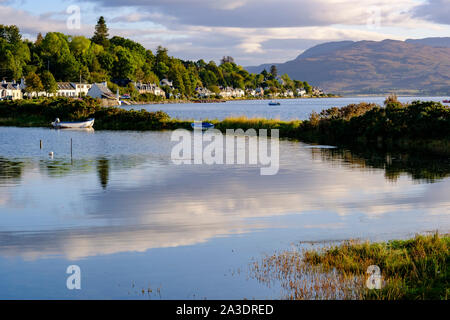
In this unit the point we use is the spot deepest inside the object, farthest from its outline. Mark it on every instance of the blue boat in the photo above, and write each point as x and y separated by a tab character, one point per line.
274	103
203	125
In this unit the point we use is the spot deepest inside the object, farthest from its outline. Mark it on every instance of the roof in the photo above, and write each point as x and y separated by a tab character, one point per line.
105	91
65	86
9	86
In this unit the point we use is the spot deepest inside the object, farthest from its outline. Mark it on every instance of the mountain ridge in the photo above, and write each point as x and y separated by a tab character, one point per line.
411	66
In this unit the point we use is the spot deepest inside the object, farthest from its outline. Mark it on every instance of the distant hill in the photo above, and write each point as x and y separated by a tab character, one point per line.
433	42
412	66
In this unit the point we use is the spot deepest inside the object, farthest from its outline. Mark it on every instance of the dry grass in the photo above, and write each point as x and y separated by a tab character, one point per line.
411	269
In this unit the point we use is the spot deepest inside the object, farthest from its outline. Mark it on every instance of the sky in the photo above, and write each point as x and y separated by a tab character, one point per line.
251	31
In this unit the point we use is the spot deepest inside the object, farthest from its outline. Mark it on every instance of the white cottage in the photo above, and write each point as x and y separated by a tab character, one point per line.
66	89
149	88
203	92
239	93
10	91
101	91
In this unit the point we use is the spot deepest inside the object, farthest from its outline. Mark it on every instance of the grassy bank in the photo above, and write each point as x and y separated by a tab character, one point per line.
411	269
421	125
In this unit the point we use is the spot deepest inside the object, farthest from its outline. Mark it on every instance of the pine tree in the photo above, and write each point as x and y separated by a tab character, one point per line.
274	71
39	39
101	33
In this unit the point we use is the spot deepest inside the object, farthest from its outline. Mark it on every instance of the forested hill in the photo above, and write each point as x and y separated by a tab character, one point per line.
60	57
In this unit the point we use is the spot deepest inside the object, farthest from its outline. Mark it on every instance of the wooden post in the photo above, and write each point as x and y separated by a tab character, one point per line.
40	144
70	148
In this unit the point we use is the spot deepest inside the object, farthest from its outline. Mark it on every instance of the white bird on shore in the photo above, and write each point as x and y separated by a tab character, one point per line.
50	154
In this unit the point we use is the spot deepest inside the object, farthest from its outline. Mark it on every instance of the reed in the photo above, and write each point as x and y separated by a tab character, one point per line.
412	269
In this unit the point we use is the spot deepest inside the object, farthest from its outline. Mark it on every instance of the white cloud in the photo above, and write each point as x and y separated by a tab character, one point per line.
247	29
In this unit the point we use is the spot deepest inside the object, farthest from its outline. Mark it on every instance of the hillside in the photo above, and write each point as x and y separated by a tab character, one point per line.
374	66
433	42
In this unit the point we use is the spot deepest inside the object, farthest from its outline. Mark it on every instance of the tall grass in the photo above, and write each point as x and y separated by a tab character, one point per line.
411	269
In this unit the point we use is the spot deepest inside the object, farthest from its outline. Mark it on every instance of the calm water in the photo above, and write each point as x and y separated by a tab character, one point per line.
132	220
288	110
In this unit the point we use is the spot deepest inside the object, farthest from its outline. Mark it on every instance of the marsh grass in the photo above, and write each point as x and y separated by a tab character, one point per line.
411	269
421	125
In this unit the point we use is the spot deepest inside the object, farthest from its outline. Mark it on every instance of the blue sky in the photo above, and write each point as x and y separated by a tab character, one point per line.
252	31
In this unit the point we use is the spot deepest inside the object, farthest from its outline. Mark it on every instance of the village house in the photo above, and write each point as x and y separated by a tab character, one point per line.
238	93
72	89
203	92
259	92
10	91
300	92
101	91
82	89
317	91
226	92
65	89
288	93
149	88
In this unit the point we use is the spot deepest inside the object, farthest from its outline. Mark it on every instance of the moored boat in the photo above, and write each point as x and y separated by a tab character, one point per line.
73	124
202	125
274	103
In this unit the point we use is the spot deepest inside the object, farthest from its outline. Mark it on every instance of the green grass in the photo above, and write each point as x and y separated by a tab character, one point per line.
411	269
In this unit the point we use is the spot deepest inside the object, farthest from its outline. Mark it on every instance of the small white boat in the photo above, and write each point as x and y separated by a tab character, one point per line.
74	124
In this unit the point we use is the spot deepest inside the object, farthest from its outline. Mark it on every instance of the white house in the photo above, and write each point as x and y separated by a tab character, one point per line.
101	91
238	93
203	92
10	91
66	89
226	92
288	93
317	91
149	88
82	89
300	92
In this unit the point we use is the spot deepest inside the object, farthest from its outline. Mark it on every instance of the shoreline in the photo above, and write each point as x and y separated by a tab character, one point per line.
343	96
181	101
417	126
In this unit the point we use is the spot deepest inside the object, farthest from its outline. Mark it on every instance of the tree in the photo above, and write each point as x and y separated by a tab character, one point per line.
307	87
226	59
33	83
214	89
39	39
101	33
162	56
264	73
10	33
124	66
162	69
79	46
48	82
14	53
274	71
